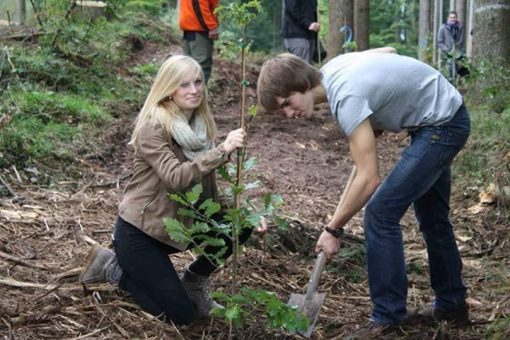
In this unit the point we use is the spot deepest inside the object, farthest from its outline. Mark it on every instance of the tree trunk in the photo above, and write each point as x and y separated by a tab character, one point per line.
21	11
469	27
424	29
361	24
491	40
460	8
340	14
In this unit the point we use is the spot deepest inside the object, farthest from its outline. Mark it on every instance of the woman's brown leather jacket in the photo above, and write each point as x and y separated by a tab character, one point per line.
160	169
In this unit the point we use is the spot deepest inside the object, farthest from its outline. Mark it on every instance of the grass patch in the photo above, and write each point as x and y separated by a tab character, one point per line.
487	145
55	98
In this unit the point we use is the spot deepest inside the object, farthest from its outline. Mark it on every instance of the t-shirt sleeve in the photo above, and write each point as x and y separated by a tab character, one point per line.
350	111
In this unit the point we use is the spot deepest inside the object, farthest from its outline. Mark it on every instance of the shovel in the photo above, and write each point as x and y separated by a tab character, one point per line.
311	303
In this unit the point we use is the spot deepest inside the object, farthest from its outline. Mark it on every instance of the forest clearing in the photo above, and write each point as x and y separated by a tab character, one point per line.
54	208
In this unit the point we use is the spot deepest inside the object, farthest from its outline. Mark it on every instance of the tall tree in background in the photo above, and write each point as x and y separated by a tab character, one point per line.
361	24
424	29
341	12
491	40
21	11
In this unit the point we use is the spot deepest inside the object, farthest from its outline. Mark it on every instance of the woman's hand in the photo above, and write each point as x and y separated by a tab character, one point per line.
235	139
262	228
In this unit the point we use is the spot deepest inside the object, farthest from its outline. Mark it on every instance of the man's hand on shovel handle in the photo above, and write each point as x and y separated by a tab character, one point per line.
327	243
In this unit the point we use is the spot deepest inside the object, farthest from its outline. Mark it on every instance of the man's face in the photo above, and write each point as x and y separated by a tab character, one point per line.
452	18
297	104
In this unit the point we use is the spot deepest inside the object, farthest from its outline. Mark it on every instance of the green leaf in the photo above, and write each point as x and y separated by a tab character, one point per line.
178	198
194	195
200	227
209	207
252	110
253	185
234	314
222	171
249	163
176	230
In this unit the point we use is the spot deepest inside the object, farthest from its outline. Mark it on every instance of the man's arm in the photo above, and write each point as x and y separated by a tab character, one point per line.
441	40
362	144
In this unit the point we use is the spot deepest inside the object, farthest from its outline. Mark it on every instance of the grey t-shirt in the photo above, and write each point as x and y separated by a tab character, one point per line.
395	92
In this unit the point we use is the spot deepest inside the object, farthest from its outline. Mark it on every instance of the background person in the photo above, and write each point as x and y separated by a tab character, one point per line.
200	28
450	41
368	91
174	150
300	27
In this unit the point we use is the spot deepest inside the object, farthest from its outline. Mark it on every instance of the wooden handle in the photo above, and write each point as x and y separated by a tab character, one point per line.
321	258
316	274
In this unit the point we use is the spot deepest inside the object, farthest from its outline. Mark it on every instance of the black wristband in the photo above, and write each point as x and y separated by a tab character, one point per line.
337	233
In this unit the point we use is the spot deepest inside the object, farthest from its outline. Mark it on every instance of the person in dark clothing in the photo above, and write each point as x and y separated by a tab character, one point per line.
450	41
300	27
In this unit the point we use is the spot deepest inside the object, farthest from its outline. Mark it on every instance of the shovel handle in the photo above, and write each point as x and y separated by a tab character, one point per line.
316	274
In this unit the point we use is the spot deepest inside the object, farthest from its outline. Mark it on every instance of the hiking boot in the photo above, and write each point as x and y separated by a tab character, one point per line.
372	330
196	286
102	267
458	315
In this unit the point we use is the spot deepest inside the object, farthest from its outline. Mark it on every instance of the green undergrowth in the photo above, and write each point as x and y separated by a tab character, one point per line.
487	96
59	90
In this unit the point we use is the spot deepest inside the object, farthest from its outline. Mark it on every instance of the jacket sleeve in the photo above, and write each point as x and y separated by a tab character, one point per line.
297	14
441	40
459	44
207	8
156	150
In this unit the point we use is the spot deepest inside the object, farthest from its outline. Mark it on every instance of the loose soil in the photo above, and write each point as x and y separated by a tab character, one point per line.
46	231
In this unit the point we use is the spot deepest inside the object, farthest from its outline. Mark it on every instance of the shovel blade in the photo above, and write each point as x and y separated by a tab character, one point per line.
310	308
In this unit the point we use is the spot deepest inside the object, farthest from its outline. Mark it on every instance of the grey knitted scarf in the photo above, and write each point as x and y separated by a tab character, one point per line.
191	136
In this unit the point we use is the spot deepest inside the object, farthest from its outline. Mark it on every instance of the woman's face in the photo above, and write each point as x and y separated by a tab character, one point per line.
189	95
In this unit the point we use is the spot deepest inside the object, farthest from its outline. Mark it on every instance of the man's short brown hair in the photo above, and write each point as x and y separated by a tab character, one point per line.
282	75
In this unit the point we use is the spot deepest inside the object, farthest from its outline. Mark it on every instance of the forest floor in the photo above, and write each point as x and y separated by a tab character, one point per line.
44	232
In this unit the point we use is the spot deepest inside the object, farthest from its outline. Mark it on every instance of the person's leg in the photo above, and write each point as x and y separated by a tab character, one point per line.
299	47
201	49
432	210
420	166
445	264
149	275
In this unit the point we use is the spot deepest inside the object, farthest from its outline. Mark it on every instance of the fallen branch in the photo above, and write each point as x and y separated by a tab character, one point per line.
51	286
7	186
22	262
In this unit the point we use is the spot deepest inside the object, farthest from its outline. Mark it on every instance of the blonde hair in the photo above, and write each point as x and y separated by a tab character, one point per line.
282	75
160	109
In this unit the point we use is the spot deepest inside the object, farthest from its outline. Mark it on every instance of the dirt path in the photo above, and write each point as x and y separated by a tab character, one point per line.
43	239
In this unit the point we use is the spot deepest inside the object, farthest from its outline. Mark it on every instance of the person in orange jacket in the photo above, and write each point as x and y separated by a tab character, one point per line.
200	28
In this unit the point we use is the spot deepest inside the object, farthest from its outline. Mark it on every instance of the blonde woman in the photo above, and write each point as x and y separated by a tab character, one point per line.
174	150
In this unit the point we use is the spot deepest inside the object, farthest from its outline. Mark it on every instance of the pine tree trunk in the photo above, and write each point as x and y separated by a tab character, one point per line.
21	11
491	39
340	13
424	29
361	24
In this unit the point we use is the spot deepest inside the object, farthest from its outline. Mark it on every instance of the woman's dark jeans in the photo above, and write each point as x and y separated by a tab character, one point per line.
421	177
149	274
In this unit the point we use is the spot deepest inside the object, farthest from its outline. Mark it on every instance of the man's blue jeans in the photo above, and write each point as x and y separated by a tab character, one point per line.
421	177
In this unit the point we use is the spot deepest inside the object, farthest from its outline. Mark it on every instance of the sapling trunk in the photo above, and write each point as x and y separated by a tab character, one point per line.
240	161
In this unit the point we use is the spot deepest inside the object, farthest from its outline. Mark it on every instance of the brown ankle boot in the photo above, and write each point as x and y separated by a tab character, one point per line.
196	286
102	267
